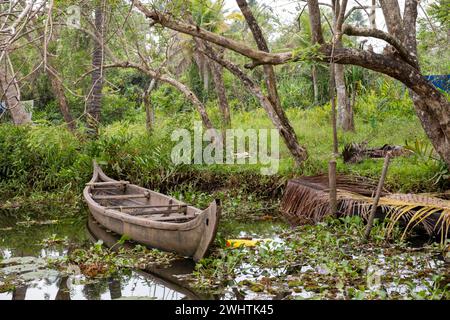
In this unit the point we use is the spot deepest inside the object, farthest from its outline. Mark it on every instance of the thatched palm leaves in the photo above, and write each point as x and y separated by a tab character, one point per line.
306	200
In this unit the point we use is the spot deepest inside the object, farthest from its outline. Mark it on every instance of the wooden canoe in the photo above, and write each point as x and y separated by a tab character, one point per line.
151	218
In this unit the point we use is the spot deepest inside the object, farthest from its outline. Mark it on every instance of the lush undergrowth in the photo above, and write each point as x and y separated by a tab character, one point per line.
44	158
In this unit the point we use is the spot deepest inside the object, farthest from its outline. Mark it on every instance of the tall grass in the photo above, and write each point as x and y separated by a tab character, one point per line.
46	157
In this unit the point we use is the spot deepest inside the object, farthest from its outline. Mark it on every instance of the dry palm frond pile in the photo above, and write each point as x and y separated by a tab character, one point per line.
306	201
357	152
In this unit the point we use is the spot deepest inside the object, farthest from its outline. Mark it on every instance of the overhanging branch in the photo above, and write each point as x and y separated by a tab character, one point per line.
395	67
376	33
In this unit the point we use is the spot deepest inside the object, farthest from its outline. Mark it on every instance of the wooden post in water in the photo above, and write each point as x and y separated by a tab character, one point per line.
377	197
332	185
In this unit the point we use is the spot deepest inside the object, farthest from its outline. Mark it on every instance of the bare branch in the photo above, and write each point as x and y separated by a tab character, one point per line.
379	34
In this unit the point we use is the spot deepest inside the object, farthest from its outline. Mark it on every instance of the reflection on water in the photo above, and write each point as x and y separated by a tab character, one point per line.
60	288
44	284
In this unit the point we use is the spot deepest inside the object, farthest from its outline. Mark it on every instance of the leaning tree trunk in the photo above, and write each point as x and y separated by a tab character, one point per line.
431	106
58	90
217	73
10	93
95	101
429	109
287	131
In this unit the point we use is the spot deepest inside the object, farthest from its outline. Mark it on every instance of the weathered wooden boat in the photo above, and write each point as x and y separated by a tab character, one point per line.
151	218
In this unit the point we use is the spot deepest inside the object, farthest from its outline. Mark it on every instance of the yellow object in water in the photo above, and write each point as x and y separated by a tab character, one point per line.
236	243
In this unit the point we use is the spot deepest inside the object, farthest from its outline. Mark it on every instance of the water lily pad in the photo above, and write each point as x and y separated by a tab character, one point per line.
21	260
39	274
19	269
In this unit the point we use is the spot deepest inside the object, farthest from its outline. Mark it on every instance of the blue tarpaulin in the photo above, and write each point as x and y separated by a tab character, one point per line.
441	81
2	107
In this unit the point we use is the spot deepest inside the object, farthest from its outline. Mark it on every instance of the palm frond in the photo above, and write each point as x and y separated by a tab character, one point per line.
306	201
433	213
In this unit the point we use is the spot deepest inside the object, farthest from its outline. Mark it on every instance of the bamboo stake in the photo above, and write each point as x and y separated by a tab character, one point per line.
332	185
377	197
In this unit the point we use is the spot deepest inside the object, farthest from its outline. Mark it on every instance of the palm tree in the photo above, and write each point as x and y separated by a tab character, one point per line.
186	54
95	96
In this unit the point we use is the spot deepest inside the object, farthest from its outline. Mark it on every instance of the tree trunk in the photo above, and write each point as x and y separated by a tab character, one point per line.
344	110
149	111
425	107
298	152
95	101
58	90
332	88
217	73
315	84
431	107
10	93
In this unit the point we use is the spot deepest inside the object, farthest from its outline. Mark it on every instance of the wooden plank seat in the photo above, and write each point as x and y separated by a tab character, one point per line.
121	196
151	209
173	217
144	206
107	183
165	211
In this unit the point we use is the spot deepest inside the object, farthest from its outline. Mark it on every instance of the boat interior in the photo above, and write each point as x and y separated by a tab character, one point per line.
133	200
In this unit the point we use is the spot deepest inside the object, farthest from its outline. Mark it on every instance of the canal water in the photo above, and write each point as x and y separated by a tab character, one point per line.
25	246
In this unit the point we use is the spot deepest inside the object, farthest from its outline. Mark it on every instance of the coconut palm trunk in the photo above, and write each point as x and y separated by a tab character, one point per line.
149	110
95	101
217	73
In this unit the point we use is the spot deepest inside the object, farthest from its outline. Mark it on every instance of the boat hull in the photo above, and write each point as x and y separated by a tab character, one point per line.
189	239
